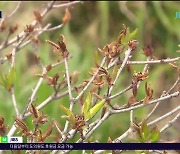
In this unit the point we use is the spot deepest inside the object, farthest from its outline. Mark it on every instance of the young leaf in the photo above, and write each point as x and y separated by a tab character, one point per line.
87	104
2	80
155	134
144	131
96	108
11	76
133	34
71	117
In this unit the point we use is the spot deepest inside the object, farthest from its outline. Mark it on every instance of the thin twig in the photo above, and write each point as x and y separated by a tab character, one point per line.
170	123
91	80
161	61
163	94
54	28
49	99
70	93
109	113
59	63
131	117
174	85
19	46
152	111
44	103
12	66
164	116
12	131
175	94
68	79
60	132
14	102
168	60
130	130
34	23
14	11
138	84
127	54
124	135
31	99
121	92
66	4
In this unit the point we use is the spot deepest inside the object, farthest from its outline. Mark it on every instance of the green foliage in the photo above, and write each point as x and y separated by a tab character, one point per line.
144	135
90	112
8	80
154	135
70	116
144	130
86	106
96	108
133	34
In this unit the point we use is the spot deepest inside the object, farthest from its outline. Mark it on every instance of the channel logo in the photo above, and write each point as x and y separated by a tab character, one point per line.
3	139
14	139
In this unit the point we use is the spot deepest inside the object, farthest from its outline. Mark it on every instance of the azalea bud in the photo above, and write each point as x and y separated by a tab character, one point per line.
133	44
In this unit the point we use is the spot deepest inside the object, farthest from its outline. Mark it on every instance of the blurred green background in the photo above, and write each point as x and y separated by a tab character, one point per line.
92	26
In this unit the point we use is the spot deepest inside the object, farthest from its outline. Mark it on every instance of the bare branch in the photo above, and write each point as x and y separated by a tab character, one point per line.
68	79
127	54
14	101
34	23
174	85
53	28
59	63
60	132
131	117
124	135
170	123
89	83
69	91
161	61
14	11
31	99
175	94
164	116
121	92
130	130
163	94
66	4
168	60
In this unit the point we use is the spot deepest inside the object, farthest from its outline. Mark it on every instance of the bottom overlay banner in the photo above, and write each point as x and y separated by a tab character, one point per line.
90	146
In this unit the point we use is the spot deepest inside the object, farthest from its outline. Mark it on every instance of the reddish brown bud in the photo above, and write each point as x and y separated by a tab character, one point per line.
67	16
48	68
133	44
29	29
38	17
148	51
12	29
2	25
